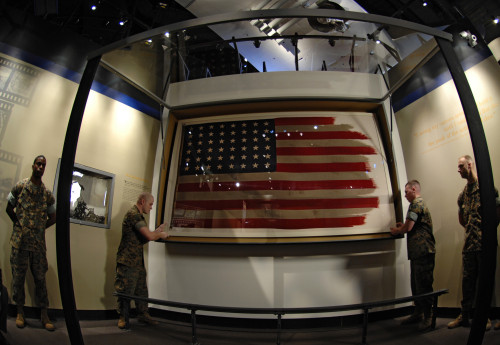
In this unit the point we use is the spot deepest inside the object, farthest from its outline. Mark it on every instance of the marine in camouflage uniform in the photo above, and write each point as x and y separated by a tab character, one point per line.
469	215
469	203
32	209
421	253
130	271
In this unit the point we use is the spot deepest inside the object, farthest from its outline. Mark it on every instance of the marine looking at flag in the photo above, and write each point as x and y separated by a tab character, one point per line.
130	271
421	253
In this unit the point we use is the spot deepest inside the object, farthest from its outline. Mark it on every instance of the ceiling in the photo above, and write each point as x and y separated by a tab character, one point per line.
101	25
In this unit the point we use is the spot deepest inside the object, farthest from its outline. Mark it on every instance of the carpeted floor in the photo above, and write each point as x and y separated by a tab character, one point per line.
168	332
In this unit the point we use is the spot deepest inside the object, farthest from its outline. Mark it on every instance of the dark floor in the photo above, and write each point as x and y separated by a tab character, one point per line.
168	332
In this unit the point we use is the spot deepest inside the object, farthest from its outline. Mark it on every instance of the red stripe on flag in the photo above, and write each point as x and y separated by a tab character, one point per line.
320	135
275	185
271	223
323	151
291	121
278	204
321	167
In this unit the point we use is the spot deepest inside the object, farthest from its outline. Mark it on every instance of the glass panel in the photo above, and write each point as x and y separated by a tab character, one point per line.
312	174
249	46
91	196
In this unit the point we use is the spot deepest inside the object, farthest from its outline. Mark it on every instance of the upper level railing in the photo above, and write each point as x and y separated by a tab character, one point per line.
243	43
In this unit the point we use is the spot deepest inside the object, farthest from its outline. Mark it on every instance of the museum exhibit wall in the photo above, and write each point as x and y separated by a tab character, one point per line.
39	79
118	138
279	275
434	134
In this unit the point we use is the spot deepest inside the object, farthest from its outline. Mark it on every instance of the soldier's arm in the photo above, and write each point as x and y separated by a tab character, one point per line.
51	221
461	217
151	235
51	211
12	214
460	202
403	228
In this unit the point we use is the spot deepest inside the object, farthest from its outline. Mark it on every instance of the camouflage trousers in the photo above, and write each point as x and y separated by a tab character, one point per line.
131	281
422	277
20	260
471	262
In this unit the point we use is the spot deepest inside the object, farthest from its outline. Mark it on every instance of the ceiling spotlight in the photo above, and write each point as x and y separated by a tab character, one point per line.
93	7
469	37
496	20
122	22
256	43
327	24
374	37
167	34
424	3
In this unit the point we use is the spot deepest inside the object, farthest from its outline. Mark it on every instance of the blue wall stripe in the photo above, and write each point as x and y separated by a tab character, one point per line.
76	77
431	84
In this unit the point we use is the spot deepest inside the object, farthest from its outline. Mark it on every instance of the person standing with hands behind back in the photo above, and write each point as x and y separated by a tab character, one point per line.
31	207
421	253
469	216
130	271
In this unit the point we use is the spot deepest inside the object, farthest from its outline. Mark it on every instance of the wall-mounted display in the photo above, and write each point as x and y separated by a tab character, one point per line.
91	196
294	175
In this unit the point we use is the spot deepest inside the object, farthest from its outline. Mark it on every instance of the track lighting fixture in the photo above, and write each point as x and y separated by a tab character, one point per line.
471	38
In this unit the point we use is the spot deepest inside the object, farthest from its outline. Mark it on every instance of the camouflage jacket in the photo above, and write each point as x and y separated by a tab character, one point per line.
32	204
469	203
130	251
420	240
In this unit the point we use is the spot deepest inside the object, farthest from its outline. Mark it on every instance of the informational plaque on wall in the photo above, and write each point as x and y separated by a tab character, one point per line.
288	175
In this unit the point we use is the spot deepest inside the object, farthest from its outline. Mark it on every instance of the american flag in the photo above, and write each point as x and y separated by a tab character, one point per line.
282	173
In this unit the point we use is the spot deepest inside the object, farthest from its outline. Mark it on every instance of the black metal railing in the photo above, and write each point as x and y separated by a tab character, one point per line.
279	312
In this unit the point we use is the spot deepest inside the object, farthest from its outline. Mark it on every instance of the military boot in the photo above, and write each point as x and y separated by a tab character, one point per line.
413	318
46	323
20	322
122	324
146	318
488	325
497	326
426	322
461	320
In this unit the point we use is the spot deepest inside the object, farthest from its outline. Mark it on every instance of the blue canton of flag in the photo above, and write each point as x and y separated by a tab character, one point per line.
229	147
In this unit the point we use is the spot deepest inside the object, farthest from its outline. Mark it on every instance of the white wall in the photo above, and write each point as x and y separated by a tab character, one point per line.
291	275
434	134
